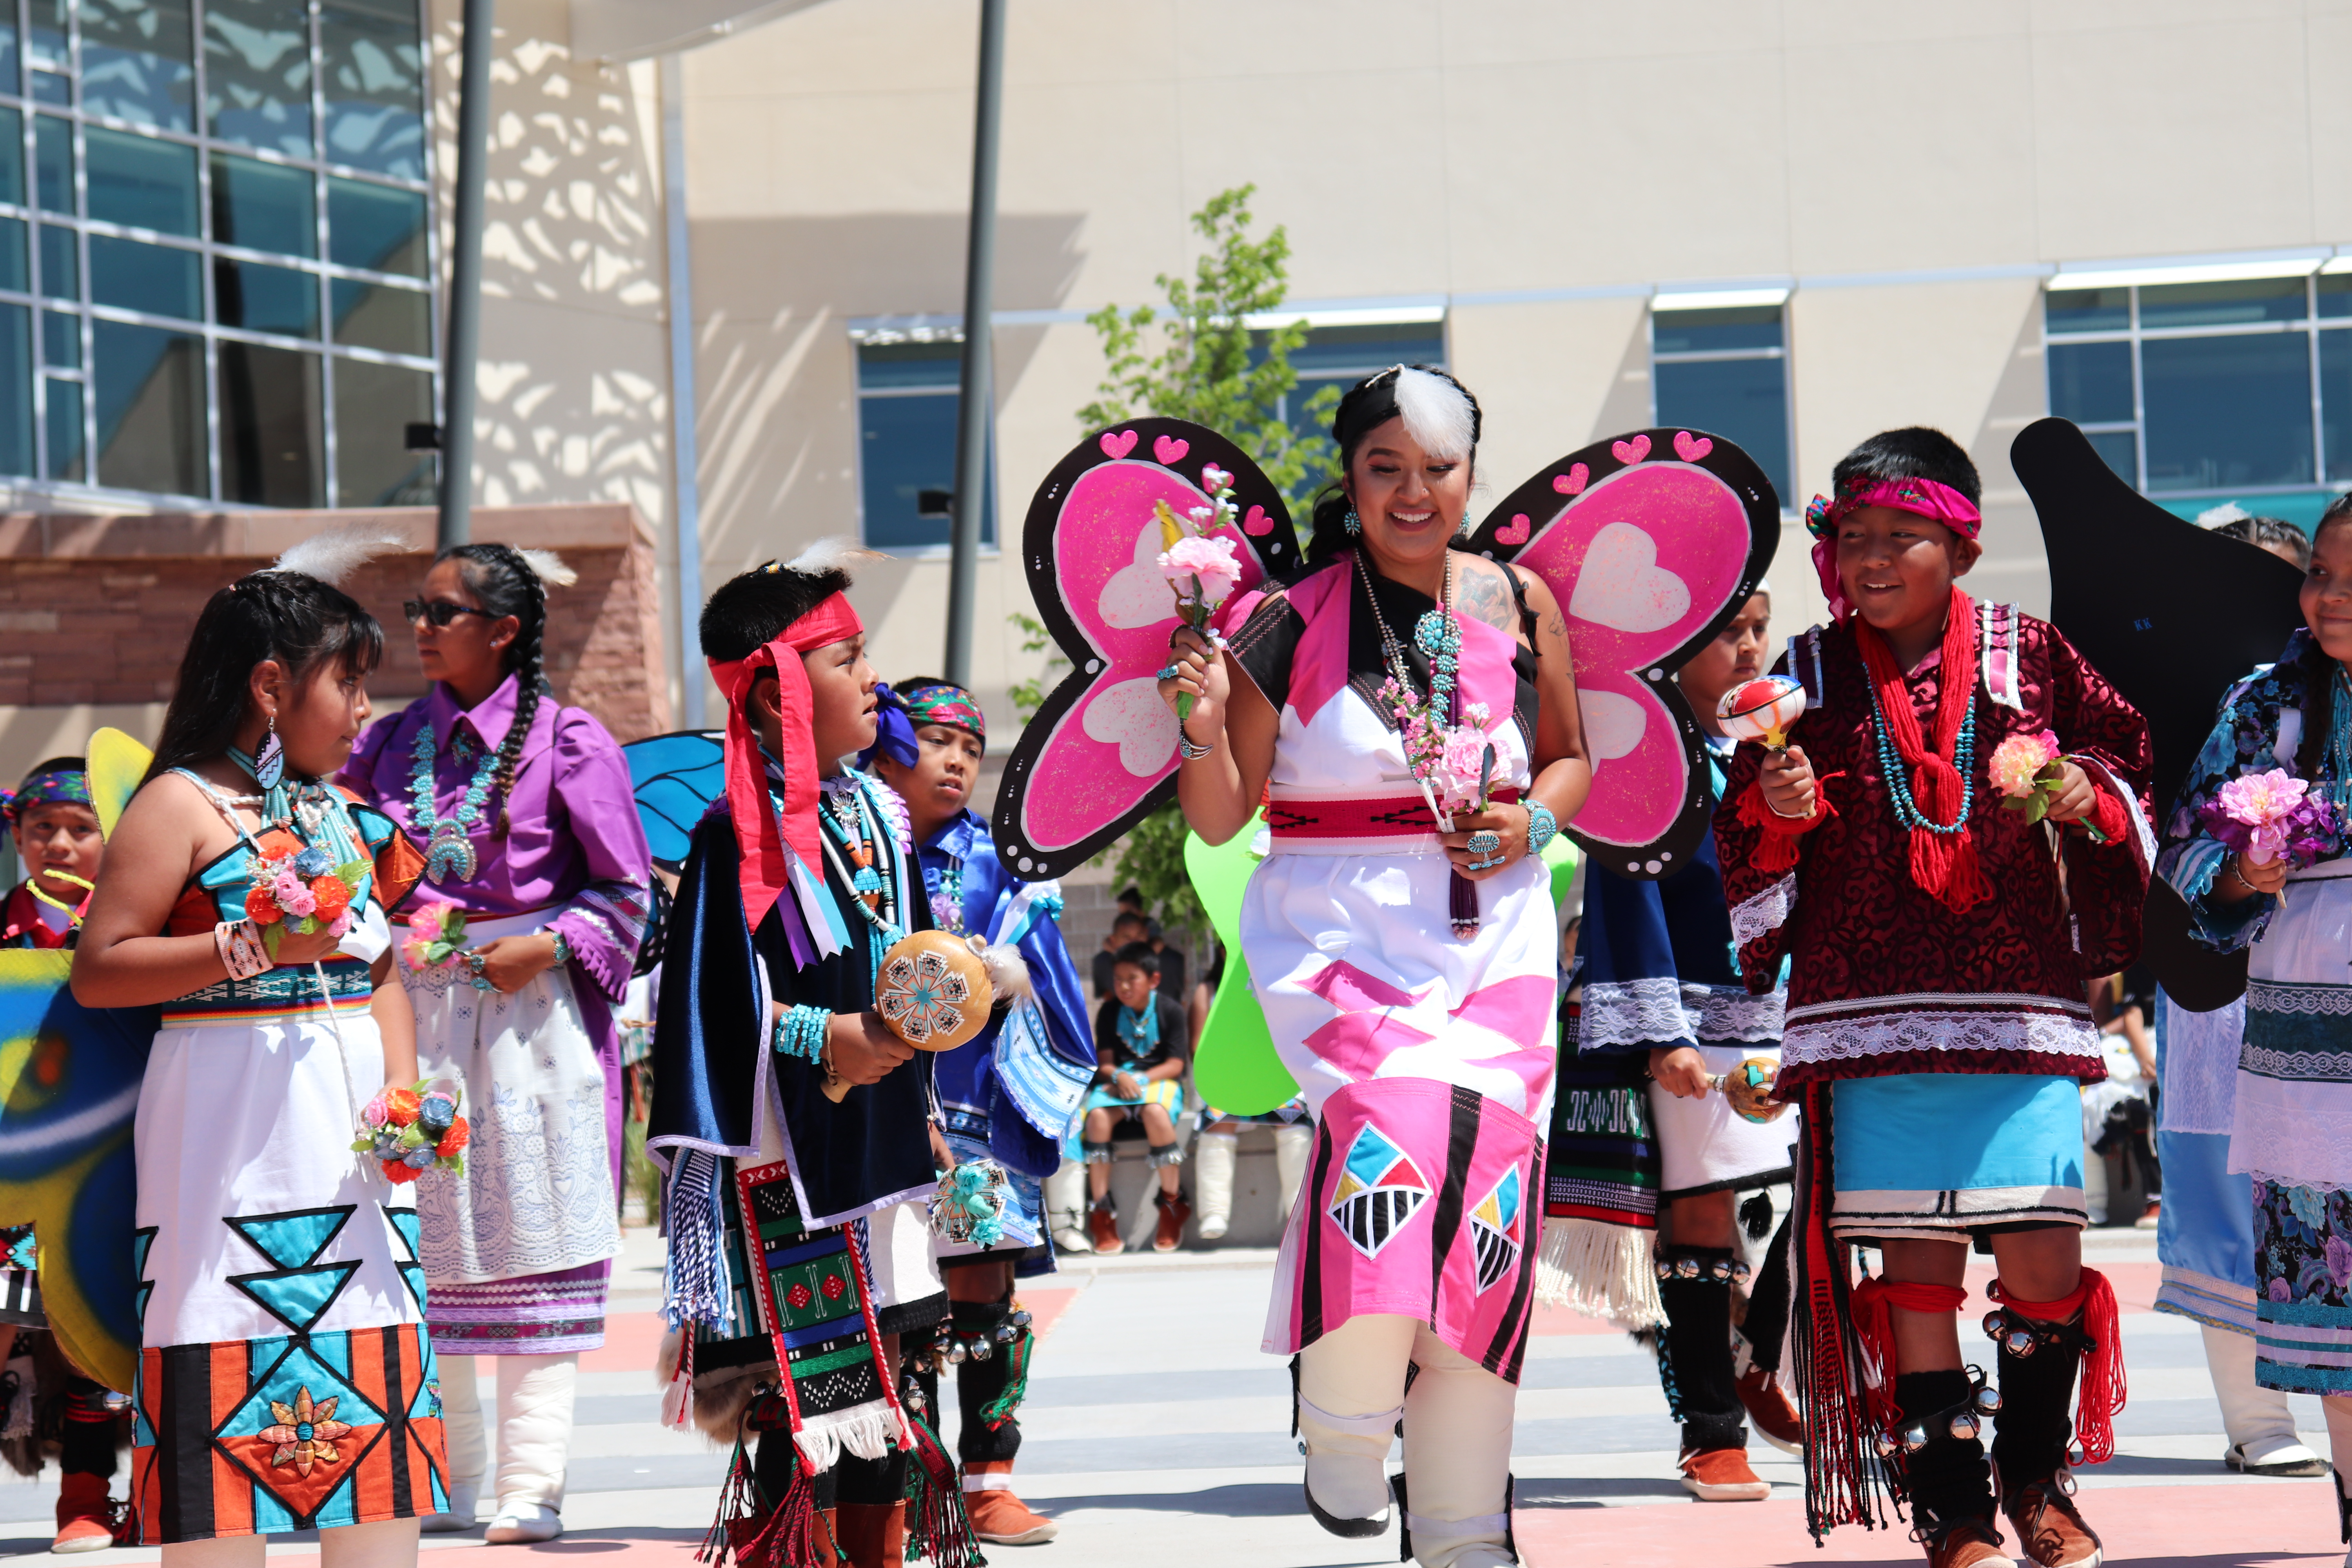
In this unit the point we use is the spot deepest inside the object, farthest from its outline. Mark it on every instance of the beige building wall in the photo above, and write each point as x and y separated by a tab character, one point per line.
1913	170
573	380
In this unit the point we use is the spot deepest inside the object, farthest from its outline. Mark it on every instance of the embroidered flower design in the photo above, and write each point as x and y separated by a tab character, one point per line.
305	1433
922	996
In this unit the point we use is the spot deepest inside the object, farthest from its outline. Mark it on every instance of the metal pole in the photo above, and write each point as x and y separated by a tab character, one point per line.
465	279
684	460
977	412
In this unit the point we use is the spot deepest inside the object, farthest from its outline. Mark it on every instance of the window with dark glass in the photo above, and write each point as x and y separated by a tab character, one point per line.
2232	387
1726	372
907	397
215	248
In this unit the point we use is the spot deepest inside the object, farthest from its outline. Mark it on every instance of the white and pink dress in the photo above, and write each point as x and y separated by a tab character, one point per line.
1426	1055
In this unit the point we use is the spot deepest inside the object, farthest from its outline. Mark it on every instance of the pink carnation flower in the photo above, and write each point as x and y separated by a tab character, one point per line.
293	894
2017	760
424	924
1461	754
1210	560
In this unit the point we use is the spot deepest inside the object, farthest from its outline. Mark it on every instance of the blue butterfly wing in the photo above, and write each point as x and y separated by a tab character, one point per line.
676	778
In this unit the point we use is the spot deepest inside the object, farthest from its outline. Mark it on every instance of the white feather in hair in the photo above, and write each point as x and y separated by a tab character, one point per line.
550	566
1436	413
2221	516
836	553
334	554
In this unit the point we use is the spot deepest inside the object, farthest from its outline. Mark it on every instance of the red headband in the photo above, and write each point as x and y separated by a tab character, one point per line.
1925	497
762	839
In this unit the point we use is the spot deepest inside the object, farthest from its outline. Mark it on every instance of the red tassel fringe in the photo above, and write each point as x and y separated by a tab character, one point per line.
2103	1388
1873	1327
755	1534
1777	849
1843	1479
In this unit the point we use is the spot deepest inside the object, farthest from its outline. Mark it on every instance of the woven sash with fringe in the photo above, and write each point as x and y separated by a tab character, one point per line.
1601	1188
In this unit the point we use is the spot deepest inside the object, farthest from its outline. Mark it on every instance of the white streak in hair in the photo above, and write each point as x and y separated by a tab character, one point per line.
1436	413
2221	516
549	567
1763	586
334	554
836	553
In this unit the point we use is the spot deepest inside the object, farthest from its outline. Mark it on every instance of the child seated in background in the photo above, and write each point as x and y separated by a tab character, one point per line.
1140	1039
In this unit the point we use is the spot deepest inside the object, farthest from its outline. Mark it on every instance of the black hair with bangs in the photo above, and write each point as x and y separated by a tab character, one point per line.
302	622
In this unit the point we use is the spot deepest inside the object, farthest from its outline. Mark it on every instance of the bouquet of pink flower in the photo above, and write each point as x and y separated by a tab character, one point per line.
2027	770
1454	762
436	938
1203	568
303	892
2272	816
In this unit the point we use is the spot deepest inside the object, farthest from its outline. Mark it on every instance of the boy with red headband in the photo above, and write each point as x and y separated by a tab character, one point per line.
1937	1030
799	879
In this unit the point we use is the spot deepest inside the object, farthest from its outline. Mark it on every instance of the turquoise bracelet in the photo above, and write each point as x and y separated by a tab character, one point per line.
801	1032
1542	827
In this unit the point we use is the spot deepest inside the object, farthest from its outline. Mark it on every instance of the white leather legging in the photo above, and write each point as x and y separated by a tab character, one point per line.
535	1402
1457	1433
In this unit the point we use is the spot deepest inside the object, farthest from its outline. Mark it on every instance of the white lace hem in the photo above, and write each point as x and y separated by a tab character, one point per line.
1892	1026
1728	1014
1633	1013
1767	911
2312	1001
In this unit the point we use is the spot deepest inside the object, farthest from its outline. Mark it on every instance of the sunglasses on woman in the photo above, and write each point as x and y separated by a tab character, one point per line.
440	612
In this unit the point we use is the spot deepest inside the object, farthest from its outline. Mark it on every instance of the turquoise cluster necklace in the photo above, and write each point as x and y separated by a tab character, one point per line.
450	855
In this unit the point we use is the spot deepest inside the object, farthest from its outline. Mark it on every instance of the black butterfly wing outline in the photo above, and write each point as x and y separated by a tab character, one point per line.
1651	541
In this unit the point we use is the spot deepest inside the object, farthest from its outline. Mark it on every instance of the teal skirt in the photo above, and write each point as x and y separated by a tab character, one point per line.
1949	1155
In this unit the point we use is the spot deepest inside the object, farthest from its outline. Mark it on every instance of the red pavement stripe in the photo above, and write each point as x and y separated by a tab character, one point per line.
2247	1524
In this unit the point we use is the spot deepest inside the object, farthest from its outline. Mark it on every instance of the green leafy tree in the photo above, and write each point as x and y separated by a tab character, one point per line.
1195	357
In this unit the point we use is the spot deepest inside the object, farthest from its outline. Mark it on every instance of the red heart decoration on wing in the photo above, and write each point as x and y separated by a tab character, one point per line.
1632	451
1256	523
1572	482
1170	450
1690	448
1118	443
1513	532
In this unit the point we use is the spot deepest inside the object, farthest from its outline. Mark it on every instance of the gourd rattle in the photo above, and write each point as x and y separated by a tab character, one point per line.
1765	709
935	989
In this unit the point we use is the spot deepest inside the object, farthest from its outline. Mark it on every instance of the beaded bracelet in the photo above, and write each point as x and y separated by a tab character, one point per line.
801	1031
1542	827
241	951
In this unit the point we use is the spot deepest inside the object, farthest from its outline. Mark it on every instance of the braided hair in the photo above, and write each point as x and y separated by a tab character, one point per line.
506	583
288	616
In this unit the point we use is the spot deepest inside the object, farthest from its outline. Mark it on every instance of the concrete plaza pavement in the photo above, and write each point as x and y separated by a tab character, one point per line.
1156	1431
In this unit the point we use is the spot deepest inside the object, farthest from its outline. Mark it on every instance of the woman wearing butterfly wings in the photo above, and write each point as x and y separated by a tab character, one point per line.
1414	711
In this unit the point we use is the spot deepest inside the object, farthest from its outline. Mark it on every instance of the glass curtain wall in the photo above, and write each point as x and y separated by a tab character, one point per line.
215	248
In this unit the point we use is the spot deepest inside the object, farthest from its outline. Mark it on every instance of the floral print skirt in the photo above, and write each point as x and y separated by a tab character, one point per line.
2302	1288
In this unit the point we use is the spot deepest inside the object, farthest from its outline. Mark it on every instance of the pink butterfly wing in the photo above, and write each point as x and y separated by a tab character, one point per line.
1646	560
1104	745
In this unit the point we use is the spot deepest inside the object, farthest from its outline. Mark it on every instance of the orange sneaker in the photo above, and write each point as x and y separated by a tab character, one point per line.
2050	1529
1771	1411
1721	1475
1102	1230
998	1516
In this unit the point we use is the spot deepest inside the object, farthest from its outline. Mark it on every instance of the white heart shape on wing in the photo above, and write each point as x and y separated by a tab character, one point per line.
1623	586
1139	596
1614	722
1129	714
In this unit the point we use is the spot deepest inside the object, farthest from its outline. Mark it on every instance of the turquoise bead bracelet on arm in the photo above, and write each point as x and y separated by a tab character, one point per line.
801	1032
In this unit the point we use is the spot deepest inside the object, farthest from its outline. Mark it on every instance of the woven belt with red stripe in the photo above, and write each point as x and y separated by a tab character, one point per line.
1381	816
